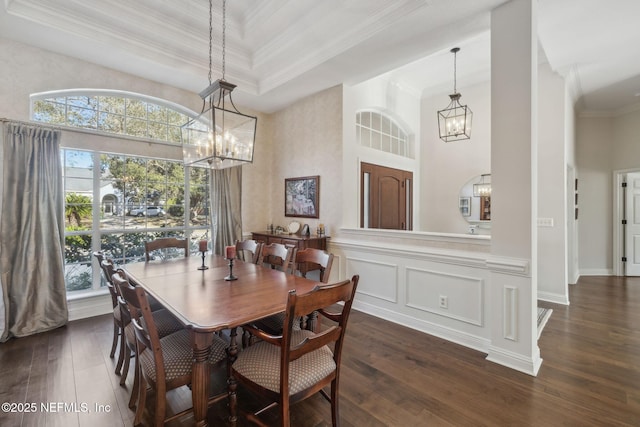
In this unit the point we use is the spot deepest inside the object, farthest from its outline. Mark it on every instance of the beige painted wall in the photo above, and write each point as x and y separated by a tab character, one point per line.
605	144
595	148
26	70
307	141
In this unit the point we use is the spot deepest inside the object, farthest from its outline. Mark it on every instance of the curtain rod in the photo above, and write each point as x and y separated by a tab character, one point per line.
85	131
30	123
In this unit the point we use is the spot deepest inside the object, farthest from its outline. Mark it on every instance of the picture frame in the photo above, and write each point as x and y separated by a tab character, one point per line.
302	197
465	206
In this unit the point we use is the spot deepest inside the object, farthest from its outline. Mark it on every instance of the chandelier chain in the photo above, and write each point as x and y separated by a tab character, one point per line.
210	38
455	56
224	36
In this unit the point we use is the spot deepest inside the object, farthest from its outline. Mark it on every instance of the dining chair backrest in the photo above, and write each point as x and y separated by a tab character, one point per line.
276	256
165	243
248	250
108	268
294	378
322	300
141	317
322	259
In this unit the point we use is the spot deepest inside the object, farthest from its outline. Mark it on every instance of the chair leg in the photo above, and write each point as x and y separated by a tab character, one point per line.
142	399
136	383
116	328
285	417
335	409
123	344
161	405
125	366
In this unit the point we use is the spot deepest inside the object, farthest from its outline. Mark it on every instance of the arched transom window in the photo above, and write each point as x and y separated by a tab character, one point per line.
380	132
110	111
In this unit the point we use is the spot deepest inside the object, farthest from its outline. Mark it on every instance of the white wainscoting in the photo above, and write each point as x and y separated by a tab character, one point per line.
404	284
464	294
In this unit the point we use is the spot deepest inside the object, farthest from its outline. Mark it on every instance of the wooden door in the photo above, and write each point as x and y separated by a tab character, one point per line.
386	196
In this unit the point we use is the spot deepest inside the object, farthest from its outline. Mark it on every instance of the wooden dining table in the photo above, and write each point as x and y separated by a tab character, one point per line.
207	303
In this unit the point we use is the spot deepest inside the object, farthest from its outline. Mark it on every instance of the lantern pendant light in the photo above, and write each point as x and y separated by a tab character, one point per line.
454	122
221	137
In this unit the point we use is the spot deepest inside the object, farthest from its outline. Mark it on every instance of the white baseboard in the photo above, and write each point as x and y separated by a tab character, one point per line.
462	338
90	306
596	272
553	297
515	361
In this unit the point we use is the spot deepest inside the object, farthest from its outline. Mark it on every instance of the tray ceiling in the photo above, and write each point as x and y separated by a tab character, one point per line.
281	50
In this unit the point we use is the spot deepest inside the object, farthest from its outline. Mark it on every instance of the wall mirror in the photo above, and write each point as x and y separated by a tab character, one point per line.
475	200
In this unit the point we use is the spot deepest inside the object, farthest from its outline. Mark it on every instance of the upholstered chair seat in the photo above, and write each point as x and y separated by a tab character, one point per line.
261	364
178	356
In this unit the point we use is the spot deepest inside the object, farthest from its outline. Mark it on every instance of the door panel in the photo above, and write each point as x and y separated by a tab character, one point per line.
386	195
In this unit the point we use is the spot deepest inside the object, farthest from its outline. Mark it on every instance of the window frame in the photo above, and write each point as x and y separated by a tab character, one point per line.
166	150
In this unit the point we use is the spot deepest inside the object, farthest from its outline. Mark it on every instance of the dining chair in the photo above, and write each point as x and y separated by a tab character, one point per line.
164	243
304	259
248	250
165	322
165	363
316	258
107	267
295	365
276	256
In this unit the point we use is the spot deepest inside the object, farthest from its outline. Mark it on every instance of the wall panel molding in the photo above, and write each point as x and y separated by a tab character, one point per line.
465	294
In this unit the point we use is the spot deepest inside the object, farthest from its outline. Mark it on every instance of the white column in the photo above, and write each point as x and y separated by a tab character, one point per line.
513	263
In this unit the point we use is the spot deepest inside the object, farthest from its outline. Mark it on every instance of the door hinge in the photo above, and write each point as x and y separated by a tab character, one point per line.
624	185
624	259
624	222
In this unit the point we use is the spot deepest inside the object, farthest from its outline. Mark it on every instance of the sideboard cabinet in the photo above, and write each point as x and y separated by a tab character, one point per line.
296	240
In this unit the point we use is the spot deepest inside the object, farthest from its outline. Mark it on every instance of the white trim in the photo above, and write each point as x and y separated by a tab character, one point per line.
468	340
89	305
553	297
596	272
515	361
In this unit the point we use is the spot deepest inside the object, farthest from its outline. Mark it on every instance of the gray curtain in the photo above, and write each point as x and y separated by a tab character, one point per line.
32	231
226	207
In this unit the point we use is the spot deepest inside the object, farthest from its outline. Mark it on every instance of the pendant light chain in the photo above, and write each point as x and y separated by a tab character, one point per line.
224	37
455	56
210	38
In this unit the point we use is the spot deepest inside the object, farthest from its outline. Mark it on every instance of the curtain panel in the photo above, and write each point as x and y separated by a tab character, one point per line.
32	231
226	207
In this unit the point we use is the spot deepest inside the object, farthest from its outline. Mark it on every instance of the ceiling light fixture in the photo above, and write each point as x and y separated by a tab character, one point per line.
482	188
221	136
454	122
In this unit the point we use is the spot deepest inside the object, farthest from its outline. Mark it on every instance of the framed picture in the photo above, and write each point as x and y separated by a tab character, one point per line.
301	197
465	206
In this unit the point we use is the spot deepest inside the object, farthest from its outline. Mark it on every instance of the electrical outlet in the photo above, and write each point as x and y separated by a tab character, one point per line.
444	301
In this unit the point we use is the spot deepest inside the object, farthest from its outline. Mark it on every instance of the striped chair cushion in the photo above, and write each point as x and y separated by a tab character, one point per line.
261	364
178	355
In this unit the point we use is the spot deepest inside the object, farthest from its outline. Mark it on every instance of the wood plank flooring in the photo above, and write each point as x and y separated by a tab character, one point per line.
392	375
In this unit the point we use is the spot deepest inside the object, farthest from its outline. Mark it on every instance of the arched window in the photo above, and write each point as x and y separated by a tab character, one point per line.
380	132
112	112
115	201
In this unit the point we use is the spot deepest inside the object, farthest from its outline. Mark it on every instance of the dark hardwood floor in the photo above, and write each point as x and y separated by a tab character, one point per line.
392	376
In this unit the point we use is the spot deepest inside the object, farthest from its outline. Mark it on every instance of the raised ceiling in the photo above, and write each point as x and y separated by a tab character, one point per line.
281	50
